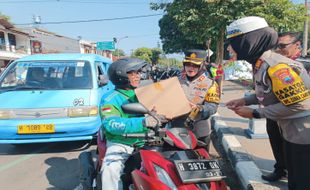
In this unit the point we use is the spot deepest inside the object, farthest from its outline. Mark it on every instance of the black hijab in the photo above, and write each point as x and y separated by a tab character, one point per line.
252	45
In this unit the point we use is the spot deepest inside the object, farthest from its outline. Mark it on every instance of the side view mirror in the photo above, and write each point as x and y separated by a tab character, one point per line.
103	80
135	108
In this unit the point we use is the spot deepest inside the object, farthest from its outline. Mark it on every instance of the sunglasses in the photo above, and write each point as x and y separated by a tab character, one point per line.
283	46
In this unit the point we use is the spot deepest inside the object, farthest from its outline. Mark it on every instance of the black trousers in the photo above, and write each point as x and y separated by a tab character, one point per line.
298	165
277	145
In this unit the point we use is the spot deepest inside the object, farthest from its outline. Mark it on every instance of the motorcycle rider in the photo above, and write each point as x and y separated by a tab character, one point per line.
282	86
202	93
125	75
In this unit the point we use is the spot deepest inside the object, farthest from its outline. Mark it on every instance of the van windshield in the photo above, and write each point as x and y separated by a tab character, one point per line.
47	75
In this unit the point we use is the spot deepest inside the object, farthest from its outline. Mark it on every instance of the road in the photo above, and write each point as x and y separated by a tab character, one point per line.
52	166
55	166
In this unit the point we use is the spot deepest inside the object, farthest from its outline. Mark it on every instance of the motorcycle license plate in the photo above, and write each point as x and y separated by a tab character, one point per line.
36	129
191	171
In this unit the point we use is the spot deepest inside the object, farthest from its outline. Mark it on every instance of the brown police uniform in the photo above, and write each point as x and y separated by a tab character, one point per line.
282	86
205	92
290	104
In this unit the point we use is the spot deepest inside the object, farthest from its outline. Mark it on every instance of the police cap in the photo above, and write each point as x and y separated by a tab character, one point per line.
195	56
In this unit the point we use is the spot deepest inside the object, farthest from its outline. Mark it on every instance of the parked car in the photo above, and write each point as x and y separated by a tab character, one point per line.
52	98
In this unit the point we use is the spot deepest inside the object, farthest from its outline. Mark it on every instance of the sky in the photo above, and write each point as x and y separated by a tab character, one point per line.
133	33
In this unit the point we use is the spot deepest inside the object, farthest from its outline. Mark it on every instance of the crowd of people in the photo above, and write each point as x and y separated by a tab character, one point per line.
281	86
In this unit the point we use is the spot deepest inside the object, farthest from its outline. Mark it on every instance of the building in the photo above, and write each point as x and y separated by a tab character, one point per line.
43	41
14	43
91	47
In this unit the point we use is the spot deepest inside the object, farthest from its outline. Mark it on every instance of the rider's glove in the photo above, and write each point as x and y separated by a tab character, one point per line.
151	122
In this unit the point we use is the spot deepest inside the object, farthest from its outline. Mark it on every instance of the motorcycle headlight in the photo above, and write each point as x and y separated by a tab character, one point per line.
83	111
164	177
5	114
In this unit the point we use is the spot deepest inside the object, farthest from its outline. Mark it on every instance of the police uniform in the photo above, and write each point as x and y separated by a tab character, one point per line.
282	86
202	91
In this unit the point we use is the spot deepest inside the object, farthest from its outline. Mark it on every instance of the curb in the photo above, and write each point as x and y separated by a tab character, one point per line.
246	169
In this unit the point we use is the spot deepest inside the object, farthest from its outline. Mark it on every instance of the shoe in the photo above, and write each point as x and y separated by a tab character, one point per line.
274	176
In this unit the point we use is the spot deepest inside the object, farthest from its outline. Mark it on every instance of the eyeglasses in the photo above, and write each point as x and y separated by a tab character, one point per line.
282	46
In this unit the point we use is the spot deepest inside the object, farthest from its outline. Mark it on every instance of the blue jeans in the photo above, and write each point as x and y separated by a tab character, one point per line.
113	165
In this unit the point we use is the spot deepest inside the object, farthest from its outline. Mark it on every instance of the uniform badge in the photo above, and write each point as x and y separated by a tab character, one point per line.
193	56
284	75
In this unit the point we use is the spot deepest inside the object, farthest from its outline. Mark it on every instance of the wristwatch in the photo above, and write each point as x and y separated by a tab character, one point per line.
256	114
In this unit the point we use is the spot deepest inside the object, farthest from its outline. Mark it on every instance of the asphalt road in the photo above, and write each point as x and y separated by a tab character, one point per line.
52	166
55	166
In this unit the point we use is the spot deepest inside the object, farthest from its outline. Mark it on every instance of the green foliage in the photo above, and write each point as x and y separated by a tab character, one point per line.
170	62
151	55
190	23
2	16
118	53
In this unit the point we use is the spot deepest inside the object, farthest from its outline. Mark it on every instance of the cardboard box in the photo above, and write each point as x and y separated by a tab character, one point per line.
166	97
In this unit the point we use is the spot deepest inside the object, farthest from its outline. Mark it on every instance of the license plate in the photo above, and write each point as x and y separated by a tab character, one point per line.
191	171
35	129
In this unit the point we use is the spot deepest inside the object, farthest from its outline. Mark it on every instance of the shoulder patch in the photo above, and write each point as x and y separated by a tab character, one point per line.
213	94
287	85
109	111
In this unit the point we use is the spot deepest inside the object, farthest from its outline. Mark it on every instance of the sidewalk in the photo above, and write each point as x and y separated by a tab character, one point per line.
249	157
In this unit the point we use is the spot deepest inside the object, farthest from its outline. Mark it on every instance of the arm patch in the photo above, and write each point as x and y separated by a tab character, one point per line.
213	94
287	85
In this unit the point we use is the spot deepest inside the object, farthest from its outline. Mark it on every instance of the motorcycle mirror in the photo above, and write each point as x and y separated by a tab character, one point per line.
135	108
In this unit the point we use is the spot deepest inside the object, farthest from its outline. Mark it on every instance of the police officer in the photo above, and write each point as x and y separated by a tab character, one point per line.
289	45
282	86
202	93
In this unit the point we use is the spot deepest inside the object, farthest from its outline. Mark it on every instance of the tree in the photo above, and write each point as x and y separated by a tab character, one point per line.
118	53
2	16
150	55
189	24
170	62
156	52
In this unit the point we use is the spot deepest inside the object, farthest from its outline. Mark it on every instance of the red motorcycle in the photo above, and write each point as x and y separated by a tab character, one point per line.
172	158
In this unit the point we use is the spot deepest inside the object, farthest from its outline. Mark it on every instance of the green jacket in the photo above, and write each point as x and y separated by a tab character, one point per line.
116	123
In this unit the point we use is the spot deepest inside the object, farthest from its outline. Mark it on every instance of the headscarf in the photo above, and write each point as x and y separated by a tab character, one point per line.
250	46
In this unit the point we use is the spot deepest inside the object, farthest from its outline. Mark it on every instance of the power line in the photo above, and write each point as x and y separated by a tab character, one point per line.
33	1
72	1
129	36
93	20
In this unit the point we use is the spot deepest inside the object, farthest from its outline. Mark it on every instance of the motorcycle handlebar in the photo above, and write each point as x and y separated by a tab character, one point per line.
139	135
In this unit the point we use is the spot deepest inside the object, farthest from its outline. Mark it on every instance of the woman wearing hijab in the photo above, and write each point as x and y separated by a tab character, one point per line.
281	86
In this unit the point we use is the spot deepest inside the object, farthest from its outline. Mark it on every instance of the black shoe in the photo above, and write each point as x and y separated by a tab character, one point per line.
274	176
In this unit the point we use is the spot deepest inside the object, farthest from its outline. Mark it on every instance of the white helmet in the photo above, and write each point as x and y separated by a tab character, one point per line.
245	25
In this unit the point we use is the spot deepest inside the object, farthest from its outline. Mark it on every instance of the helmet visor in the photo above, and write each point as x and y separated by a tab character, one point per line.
135	66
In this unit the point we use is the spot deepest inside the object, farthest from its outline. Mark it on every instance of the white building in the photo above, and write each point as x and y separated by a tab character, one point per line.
43	41
90	47
14	43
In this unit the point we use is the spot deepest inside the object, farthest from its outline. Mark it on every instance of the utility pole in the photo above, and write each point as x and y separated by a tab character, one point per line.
116	41
305	36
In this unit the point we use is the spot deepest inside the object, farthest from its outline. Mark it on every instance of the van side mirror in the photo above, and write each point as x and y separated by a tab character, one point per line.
103	80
